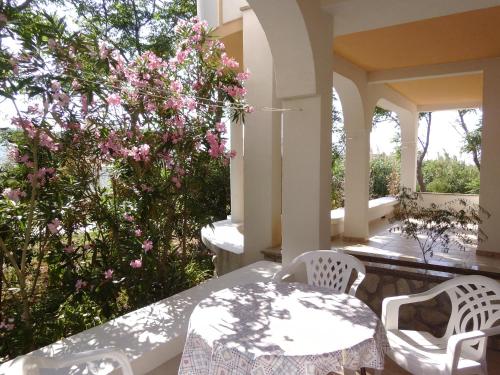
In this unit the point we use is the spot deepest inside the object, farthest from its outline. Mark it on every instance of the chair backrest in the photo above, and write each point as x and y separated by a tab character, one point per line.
475	305
330	269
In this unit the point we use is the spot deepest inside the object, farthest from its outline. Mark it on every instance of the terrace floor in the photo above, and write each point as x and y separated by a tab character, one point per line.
390	245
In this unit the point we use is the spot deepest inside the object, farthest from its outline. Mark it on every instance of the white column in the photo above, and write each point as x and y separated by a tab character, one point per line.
357	182
490	162
262	137
236	170
409	133
306	175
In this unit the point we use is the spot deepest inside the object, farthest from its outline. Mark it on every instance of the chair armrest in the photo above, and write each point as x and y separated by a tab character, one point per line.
26	364
285	271
391	305
354	287
454	347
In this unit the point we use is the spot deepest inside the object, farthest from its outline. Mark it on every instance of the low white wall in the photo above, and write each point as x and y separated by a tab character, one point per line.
152	337
442	198
377	208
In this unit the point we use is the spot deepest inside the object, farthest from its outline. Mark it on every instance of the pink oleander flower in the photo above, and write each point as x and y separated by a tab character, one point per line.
80	284
103	51
114	99
229	62
108	274
140	153
85	104
138	232
13	194
47	142
136	263
176	181
69	249
176	86
243	76
54	226
147	245
75	85
128	217
220	127
9	325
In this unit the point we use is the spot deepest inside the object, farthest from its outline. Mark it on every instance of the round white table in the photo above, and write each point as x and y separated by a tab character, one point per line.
281	329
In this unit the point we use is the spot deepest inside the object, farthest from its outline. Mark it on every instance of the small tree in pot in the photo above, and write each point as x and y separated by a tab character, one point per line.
453	223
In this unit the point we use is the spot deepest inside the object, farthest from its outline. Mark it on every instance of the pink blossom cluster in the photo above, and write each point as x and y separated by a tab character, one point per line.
108	274
60	97
147	246
128	217
140	153
136	263
235	91
80	284
13	194
7	325
55	226
43	138
41	176
229	62
216	147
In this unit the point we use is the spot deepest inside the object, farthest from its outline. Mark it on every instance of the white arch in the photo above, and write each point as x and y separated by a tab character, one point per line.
351	101
283	22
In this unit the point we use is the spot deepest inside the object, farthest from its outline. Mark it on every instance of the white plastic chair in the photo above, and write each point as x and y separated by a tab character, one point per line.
475	308
327	268
31	364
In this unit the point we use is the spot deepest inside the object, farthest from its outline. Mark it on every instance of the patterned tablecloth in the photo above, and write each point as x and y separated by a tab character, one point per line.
281	329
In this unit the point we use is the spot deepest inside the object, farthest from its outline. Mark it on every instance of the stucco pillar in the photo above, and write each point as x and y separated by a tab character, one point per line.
236	170
306	175
357	182
307	142
262	137
490	162
409	133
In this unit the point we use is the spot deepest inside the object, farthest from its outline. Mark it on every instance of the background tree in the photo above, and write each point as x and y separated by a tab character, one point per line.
471	136
338	153
424	144
132	26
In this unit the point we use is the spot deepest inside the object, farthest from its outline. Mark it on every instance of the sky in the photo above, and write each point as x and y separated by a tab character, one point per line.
445	136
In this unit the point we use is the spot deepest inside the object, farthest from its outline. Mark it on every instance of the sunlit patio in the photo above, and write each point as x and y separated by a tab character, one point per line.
281	203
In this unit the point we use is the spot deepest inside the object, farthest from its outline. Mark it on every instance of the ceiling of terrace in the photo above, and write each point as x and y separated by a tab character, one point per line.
443	92
457	37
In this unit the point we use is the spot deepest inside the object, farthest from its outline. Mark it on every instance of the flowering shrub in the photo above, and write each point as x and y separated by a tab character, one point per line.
77	251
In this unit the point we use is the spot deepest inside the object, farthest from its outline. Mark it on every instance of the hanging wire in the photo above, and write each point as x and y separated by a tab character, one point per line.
211	102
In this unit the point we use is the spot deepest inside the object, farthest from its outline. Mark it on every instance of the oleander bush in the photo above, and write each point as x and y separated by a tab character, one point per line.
116	162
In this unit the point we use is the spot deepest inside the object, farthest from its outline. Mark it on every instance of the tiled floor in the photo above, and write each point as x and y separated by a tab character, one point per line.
390	244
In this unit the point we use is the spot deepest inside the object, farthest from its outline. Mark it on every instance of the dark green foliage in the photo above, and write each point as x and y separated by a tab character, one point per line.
449	175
